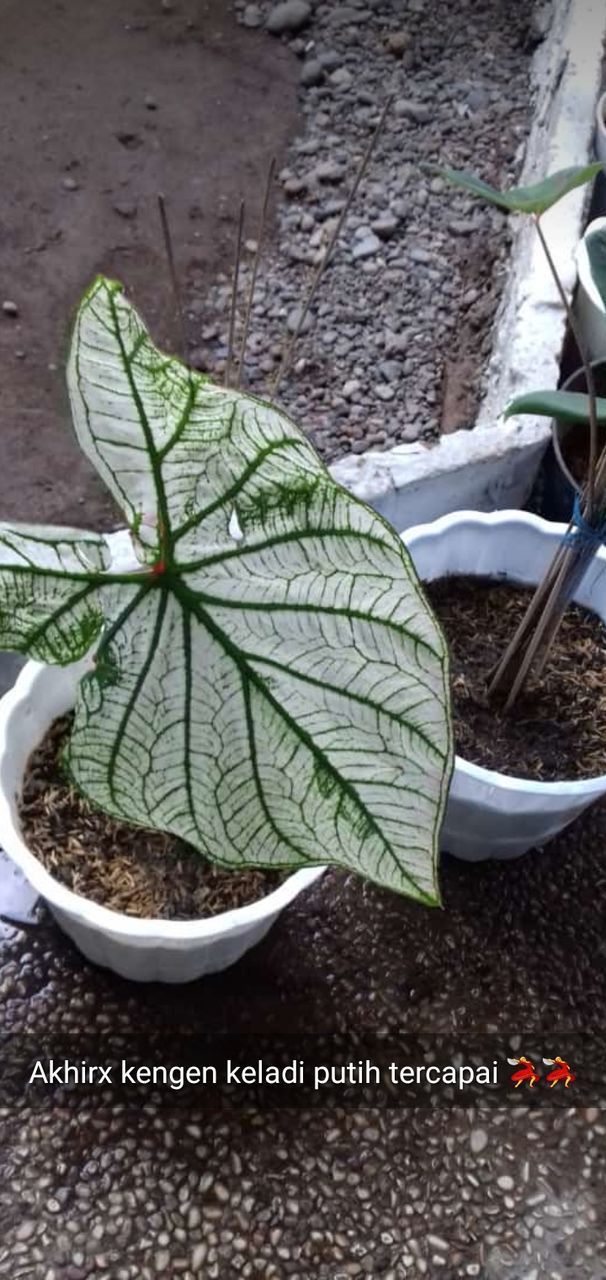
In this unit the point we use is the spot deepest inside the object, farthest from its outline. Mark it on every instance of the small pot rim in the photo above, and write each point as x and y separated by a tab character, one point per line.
150	929
600	112
554	531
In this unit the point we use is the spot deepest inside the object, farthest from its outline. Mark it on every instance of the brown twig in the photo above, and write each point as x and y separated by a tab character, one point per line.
234	297
255	269
319	272
168	245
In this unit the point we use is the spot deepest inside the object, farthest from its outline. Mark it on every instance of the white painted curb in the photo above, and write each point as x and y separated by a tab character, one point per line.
495	466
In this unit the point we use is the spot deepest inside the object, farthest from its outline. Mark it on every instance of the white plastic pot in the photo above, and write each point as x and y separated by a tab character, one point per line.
490	814
589	308
144	950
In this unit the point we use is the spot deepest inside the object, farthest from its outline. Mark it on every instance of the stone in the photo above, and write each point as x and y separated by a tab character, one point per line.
295	187
346	15
10	308
151	103
330	59
125	208
329	171
385	226
291	15
398	42
367	246
505	1182
418	112
478	1140
351	388
478	98
25	1229
293	318
462	226
312	73
341	78
421	256
396	344
390	370
385	392
252	16
70	184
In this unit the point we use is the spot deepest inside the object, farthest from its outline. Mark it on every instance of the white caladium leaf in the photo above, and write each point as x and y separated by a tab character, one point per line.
48	591
269	682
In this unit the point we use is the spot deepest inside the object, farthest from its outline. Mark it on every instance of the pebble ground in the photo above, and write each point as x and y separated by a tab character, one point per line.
395	344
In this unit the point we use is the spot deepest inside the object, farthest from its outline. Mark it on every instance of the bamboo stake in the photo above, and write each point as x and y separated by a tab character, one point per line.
234	297
168	245
257	259
289	347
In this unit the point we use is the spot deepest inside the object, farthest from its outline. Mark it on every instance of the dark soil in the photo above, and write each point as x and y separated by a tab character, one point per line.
557	729
126	868
103	106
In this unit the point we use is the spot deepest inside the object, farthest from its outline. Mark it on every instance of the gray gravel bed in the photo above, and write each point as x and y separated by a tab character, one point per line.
397	340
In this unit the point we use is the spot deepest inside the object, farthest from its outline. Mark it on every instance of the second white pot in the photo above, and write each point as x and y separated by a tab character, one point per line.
490	814
588	304
144	950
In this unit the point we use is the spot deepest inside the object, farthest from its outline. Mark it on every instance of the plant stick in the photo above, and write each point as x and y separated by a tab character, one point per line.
253	279
174	280
234	297
537	631
289	348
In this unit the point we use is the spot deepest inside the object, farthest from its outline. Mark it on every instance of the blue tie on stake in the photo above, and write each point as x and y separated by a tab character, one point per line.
589	536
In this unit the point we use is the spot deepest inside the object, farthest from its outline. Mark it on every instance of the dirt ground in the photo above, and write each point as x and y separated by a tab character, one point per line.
103	106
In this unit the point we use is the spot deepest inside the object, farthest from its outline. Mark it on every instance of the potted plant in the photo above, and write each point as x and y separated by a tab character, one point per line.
523	601
253	669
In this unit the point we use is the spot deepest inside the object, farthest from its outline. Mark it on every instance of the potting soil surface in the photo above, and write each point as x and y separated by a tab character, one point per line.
126	868
557	727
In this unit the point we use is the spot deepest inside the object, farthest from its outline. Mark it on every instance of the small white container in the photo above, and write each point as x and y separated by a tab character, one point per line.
588	305
144	950
490	814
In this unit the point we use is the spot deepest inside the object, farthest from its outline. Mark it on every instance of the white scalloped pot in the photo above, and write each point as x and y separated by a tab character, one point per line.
489	814
144	950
